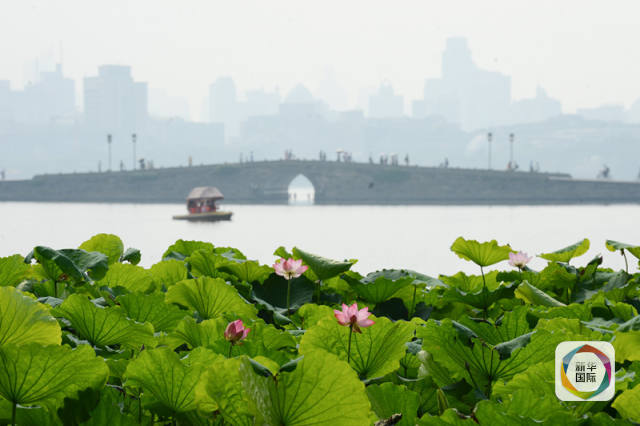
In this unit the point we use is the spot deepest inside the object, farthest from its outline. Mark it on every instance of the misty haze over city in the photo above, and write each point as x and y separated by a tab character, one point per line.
201	85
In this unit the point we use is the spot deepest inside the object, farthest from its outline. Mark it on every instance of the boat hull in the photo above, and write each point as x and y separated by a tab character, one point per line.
204	217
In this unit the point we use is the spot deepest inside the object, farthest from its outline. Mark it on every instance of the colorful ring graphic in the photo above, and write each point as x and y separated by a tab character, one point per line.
605	380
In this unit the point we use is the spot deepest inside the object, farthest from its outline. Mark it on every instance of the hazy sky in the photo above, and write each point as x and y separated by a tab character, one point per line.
584	53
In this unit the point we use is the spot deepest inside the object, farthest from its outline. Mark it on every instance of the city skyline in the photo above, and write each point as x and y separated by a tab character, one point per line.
581	53
464	94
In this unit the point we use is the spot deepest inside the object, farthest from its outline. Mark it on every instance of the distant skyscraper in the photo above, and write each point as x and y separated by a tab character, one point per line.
113	101
5	101
466	95
386	104
633	115
223	105
260	103
51	98
540	108
604	113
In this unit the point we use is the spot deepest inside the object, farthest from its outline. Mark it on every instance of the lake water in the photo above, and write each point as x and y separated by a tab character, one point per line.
415	237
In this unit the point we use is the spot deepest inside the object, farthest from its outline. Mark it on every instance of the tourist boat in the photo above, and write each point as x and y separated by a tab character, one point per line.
201	204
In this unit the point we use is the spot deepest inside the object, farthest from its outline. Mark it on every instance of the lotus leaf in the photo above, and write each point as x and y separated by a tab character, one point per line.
12	270
107	244
374	353
568	253
321	390
322	268
130	277
210	297
103	326
23	320
482	254
34	374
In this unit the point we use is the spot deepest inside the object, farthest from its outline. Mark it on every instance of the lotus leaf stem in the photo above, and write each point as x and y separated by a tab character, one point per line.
626	264
288	296
349	347
413	302
484	292
13	414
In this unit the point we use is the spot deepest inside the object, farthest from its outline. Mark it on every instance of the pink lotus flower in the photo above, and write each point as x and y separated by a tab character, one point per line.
236	331
351	316
519	259
289	268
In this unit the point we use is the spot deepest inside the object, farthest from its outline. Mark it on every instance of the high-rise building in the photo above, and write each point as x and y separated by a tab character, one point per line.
385	103
5	101
50	99
113	101
465	94
540	108
223	105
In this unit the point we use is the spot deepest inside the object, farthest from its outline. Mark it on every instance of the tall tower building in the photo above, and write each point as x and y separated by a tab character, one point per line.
223	105
113	101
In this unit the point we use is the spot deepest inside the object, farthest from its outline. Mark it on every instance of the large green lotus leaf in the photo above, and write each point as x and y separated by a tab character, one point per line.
479	363
206	263
44	375
322	267
27	416
223	384
451	417
321	390
513	324
13	270
168	272
103	326
628	404
482	254
538	380
172	381
531	295
107	244
616	245
274	291
94	264
107	412
469	289
210	297
310	314
378	286
74	263
388	399
566	254
471	283
522	408
131	255
182	249
24	320
151	308
555	276
627	346
249	271
374	353
131	277
263	339
200	334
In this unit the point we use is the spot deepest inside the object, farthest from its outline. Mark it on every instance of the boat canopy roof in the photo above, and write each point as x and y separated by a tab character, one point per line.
205	192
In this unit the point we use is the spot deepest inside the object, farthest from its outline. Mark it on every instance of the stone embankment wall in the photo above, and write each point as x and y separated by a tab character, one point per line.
335	183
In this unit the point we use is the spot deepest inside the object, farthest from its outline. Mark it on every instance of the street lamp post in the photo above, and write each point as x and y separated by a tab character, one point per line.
511	164
109	144
489	137
133	141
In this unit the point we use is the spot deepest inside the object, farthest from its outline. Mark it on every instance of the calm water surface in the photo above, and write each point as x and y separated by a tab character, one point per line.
416	237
